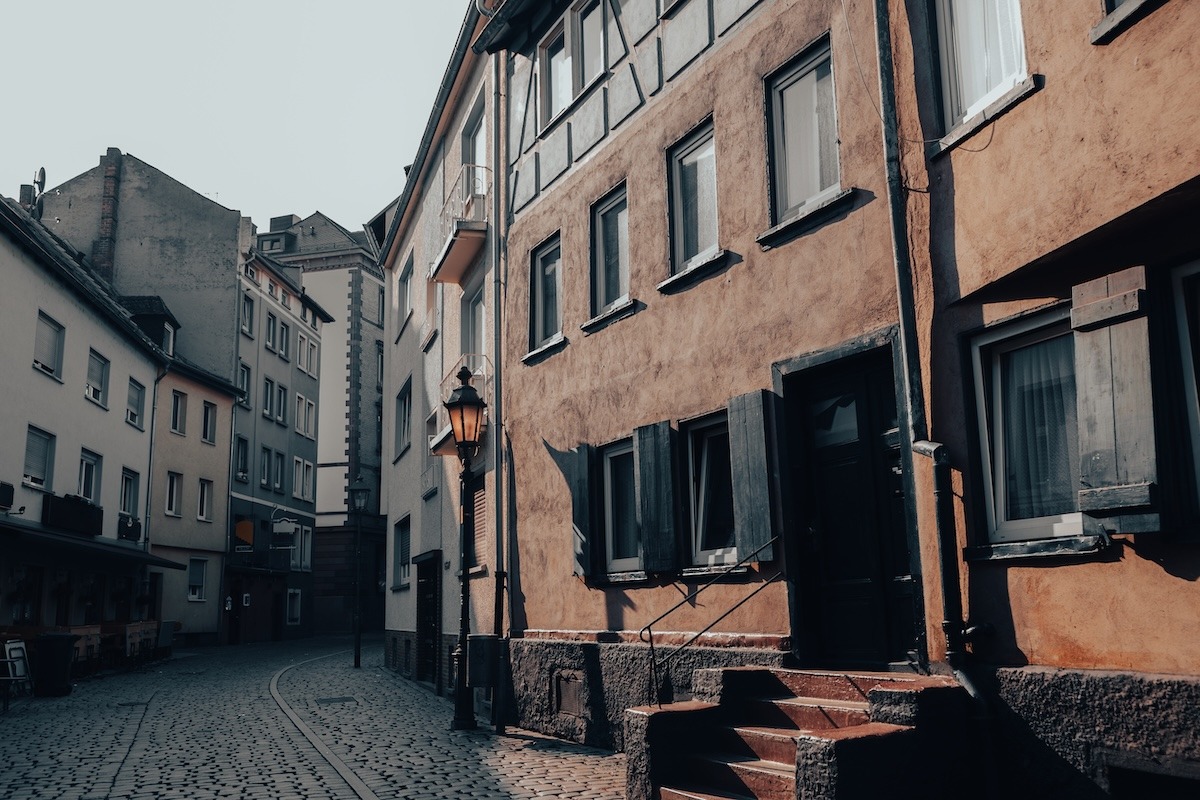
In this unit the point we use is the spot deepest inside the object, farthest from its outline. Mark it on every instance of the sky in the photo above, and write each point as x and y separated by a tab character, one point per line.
271	107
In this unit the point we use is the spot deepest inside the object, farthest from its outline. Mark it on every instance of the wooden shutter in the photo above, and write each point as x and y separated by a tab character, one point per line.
1118	466
754	478
654	485
584	540
45	347
479	523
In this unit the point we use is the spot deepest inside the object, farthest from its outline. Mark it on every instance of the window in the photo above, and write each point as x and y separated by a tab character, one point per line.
169	338
710	493
129	492
544	321
473	330
136	404
264	467
197	572
241	458
268	401
286	299
297	477
178	412
693	190
204	502
623	542
982	52
248	315
281	403
401	552
610	252
302	548
404	292
380	304
403	418
174	492
285	334
271	284
48	346
309	475
379	365
96	388
310	419
475	151
89	476
1028	423
243	383
209	433
804	139
271	326
571	57
280	460
293	607
39	459
312	361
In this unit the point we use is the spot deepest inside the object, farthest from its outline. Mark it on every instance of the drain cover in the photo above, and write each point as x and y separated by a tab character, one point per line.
329	700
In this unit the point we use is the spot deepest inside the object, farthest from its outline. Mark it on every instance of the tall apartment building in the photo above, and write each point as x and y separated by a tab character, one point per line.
440	255
341	273
245	317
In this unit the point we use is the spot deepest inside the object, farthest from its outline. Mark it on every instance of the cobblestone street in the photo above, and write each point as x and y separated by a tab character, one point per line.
285	720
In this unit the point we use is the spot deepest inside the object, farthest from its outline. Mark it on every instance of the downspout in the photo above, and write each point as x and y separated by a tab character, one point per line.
150	465
499	168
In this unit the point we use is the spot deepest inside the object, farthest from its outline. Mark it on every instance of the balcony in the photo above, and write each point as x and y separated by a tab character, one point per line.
464	224
72	513
129	528
442	443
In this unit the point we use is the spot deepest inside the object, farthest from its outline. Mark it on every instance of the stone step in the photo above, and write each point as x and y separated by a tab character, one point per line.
739	774
682	793
802	713
769	744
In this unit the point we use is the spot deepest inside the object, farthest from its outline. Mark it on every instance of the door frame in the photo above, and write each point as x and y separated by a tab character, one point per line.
431	559
798	610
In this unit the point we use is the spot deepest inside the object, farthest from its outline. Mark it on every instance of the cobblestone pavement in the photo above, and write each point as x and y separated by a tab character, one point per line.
285	720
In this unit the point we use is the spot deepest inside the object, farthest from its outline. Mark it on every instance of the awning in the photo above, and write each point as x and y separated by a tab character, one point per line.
36	543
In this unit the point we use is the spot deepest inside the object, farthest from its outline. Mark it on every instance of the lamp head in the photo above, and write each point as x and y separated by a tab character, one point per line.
466	409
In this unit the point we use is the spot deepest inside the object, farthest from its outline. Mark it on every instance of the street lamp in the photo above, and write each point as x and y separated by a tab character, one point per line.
465	408
359	493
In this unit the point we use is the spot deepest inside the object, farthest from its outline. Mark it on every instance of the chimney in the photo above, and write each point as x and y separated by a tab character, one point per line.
106	242
283	223
26	196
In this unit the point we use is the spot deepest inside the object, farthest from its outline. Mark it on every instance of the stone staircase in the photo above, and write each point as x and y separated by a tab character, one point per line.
777	734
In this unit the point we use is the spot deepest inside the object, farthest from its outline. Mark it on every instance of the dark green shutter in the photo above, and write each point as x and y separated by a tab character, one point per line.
654	482
1118	466
584	541
754	479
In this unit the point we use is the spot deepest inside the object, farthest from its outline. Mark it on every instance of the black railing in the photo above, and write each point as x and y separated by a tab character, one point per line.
656	688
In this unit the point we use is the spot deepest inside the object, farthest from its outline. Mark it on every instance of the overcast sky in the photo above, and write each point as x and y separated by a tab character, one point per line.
270	107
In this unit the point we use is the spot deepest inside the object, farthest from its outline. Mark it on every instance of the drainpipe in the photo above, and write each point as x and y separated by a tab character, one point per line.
162	373
499	168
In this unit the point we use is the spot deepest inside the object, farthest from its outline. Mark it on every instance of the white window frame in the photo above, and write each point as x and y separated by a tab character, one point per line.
264	467
241	459
985	352
268	403
127	502
248	315
575	77
697	432
404	293
700	139
246	384
168	338
608	456
285	341
280	464
616	202
197	591
48	345
178	413
540	331
272	325
810	64
474	332
135	404
281	404
297	477
403	422
959	109
96	387
45	481
174	494
401	551
208	432
90	474
204	500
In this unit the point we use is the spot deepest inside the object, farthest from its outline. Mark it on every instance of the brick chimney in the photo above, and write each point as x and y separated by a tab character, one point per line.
106	242
26	198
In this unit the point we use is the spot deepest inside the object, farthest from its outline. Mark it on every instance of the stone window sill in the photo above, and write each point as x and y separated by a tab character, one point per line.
545	349
1003	104
1122	19
806	219
1085	544
625	308
693	271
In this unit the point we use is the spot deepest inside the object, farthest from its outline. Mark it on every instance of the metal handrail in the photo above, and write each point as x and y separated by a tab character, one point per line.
467	197
646	634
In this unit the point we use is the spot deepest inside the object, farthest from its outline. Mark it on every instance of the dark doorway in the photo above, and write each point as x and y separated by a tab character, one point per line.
428	616
850	560
234	611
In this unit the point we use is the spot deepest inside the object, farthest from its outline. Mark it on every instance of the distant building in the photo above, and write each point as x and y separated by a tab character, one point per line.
340	272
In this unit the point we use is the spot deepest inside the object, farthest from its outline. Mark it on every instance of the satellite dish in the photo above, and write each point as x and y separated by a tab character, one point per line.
39	180
36	211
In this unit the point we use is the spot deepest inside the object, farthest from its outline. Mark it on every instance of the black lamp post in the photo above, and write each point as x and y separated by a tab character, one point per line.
359	493
466	408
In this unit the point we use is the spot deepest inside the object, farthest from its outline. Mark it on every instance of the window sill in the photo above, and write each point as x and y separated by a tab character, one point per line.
205	521
179	433
429	339
712	571
197	600
429	493
172	514
480	571
619	310
403	326
38	368
545	349
693	271
94	401
135	425
1122	19
1003	104
807	217
36	488
403	450
1036	548
401	587
636	576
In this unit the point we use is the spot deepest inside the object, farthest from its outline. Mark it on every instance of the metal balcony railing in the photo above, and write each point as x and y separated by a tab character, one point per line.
463	222
481	369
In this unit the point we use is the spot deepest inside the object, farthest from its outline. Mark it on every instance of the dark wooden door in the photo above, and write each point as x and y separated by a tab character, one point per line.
852	539
428	619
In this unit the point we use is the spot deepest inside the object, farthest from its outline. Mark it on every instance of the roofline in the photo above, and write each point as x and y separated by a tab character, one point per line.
200	374
497	33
